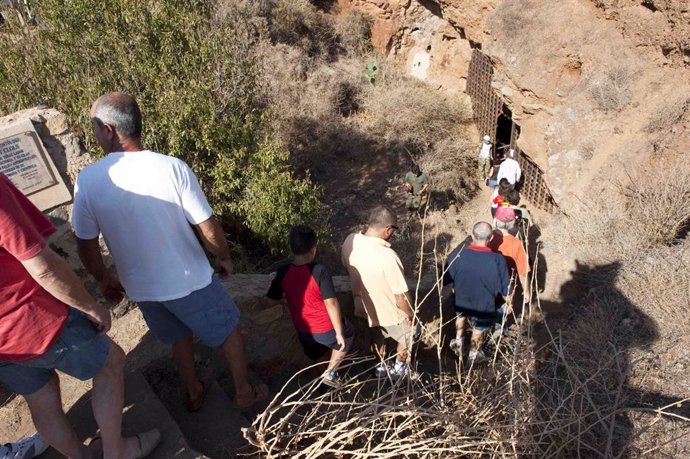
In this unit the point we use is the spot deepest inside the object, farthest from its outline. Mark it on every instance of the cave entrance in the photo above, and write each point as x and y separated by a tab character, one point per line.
494	118
504	131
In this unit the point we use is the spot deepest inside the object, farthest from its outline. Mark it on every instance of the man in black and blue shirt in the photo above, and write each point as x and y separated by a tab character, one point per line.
481	281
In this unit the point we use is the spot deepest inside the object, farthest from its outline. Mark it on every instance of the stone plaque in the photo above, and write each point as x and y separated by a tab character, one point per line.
24	160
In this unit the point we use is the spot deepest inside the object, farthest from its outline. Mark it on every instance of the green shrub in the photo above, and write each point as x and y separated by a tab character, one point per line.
197	81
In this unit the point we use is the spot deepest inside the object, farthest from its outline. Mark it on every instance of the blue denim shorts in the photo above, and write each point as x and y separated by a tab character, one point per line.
209	313
79	352
316	344
480	324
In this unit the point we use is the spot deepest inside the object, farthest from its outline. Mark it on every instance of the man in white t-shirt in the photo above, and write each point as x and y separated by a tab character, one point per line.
379	287
148	208
485	157
510	169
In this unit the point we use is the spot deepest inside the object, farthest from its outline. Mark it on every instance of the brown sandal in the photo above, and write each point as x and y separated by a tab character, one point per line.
259	393
195	404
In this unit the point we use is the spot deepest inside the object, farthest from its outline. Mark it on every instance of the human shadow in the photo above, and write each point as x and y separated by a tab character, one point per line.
584	361
538	276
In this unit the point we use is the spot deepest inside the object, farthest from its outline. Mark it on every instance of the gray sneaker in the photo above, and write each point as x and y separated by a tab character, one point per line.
331	379
477	357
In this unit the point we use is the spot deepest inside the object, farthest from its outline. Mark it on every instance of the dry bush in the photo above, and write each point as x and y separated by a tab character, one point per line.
654	201
552	399
613	90
355	32
644	211
298	23
667	114
406	109
451	164
543	394
310	103
659	286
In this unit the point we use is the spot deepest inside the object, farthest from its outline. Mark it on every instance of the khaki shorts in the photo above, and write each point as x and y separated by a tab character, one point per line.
401	333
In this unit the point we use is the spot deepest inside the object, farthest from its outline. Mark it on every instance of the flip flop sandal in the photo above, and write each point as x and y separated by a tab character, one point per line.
195	404
148	442
90	443
259	393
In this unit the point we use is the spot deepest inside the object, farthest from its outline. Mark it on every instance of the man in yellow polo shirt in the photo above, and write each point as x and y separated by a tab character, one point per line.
379	287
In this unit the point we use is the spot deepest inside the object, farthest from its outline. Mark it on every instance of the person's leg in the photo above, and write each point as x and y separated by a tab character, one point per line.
336	358
51	422
233	349
476	340
402	352
211	314
457	344
183	355
108	398
460	324
169	329
378	343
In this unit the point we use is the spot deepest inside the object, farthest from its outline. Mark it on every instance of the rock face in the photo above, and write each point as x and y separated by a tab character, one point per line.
594	85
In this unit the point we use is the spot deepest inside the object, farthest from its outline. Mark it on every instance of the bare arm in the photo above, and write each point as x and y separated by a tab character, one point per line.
402	301
55	276
214	240
91	258
333	309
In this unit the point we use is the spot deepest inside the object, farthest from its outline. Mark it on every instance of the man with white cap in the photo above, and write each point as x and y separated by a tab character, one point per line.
510	169
485	157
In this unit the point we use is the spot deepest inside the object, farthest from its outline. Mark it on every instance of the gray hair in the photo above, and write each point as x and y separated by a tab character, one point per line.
505	225
120	111
481	231
381	217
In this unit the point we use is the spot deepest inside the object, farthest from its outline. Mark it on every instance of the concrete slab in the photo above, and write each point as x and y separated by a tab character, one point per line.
143	411
215	430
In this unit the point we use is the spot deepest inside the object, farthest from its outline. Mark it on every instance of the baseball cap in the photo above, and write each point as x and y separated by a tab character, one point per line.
505	214
487	138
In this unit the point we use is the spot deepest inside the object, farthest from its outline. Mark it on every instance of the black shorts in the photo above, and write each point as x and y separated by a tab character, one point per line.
317	344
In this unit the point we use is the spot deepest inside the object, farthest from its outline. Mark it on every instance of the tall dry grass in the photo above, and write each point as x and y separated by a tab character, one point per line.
545	393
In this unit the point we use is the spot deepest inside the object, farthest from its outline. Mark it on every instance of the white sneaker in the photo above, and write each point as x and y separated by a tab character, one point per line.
382	370
404	371
27	448
456	345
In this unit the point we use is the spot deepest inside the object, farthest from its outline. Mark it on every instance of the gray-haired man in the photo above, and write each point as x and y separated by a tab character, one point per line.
480	278
147	206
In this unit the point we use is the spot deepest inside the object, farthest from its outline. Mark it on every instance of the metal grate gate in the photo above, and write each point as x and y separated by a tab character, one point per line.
487	106
532	184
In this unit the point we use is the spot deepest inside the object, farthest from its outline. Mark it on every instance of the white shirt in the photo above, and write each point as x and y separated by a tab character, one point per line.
485	152
509	170
144	203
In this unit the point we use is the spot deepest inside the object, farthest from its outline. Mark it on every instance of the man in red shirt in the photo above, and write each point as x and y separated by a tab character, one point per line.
49	321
